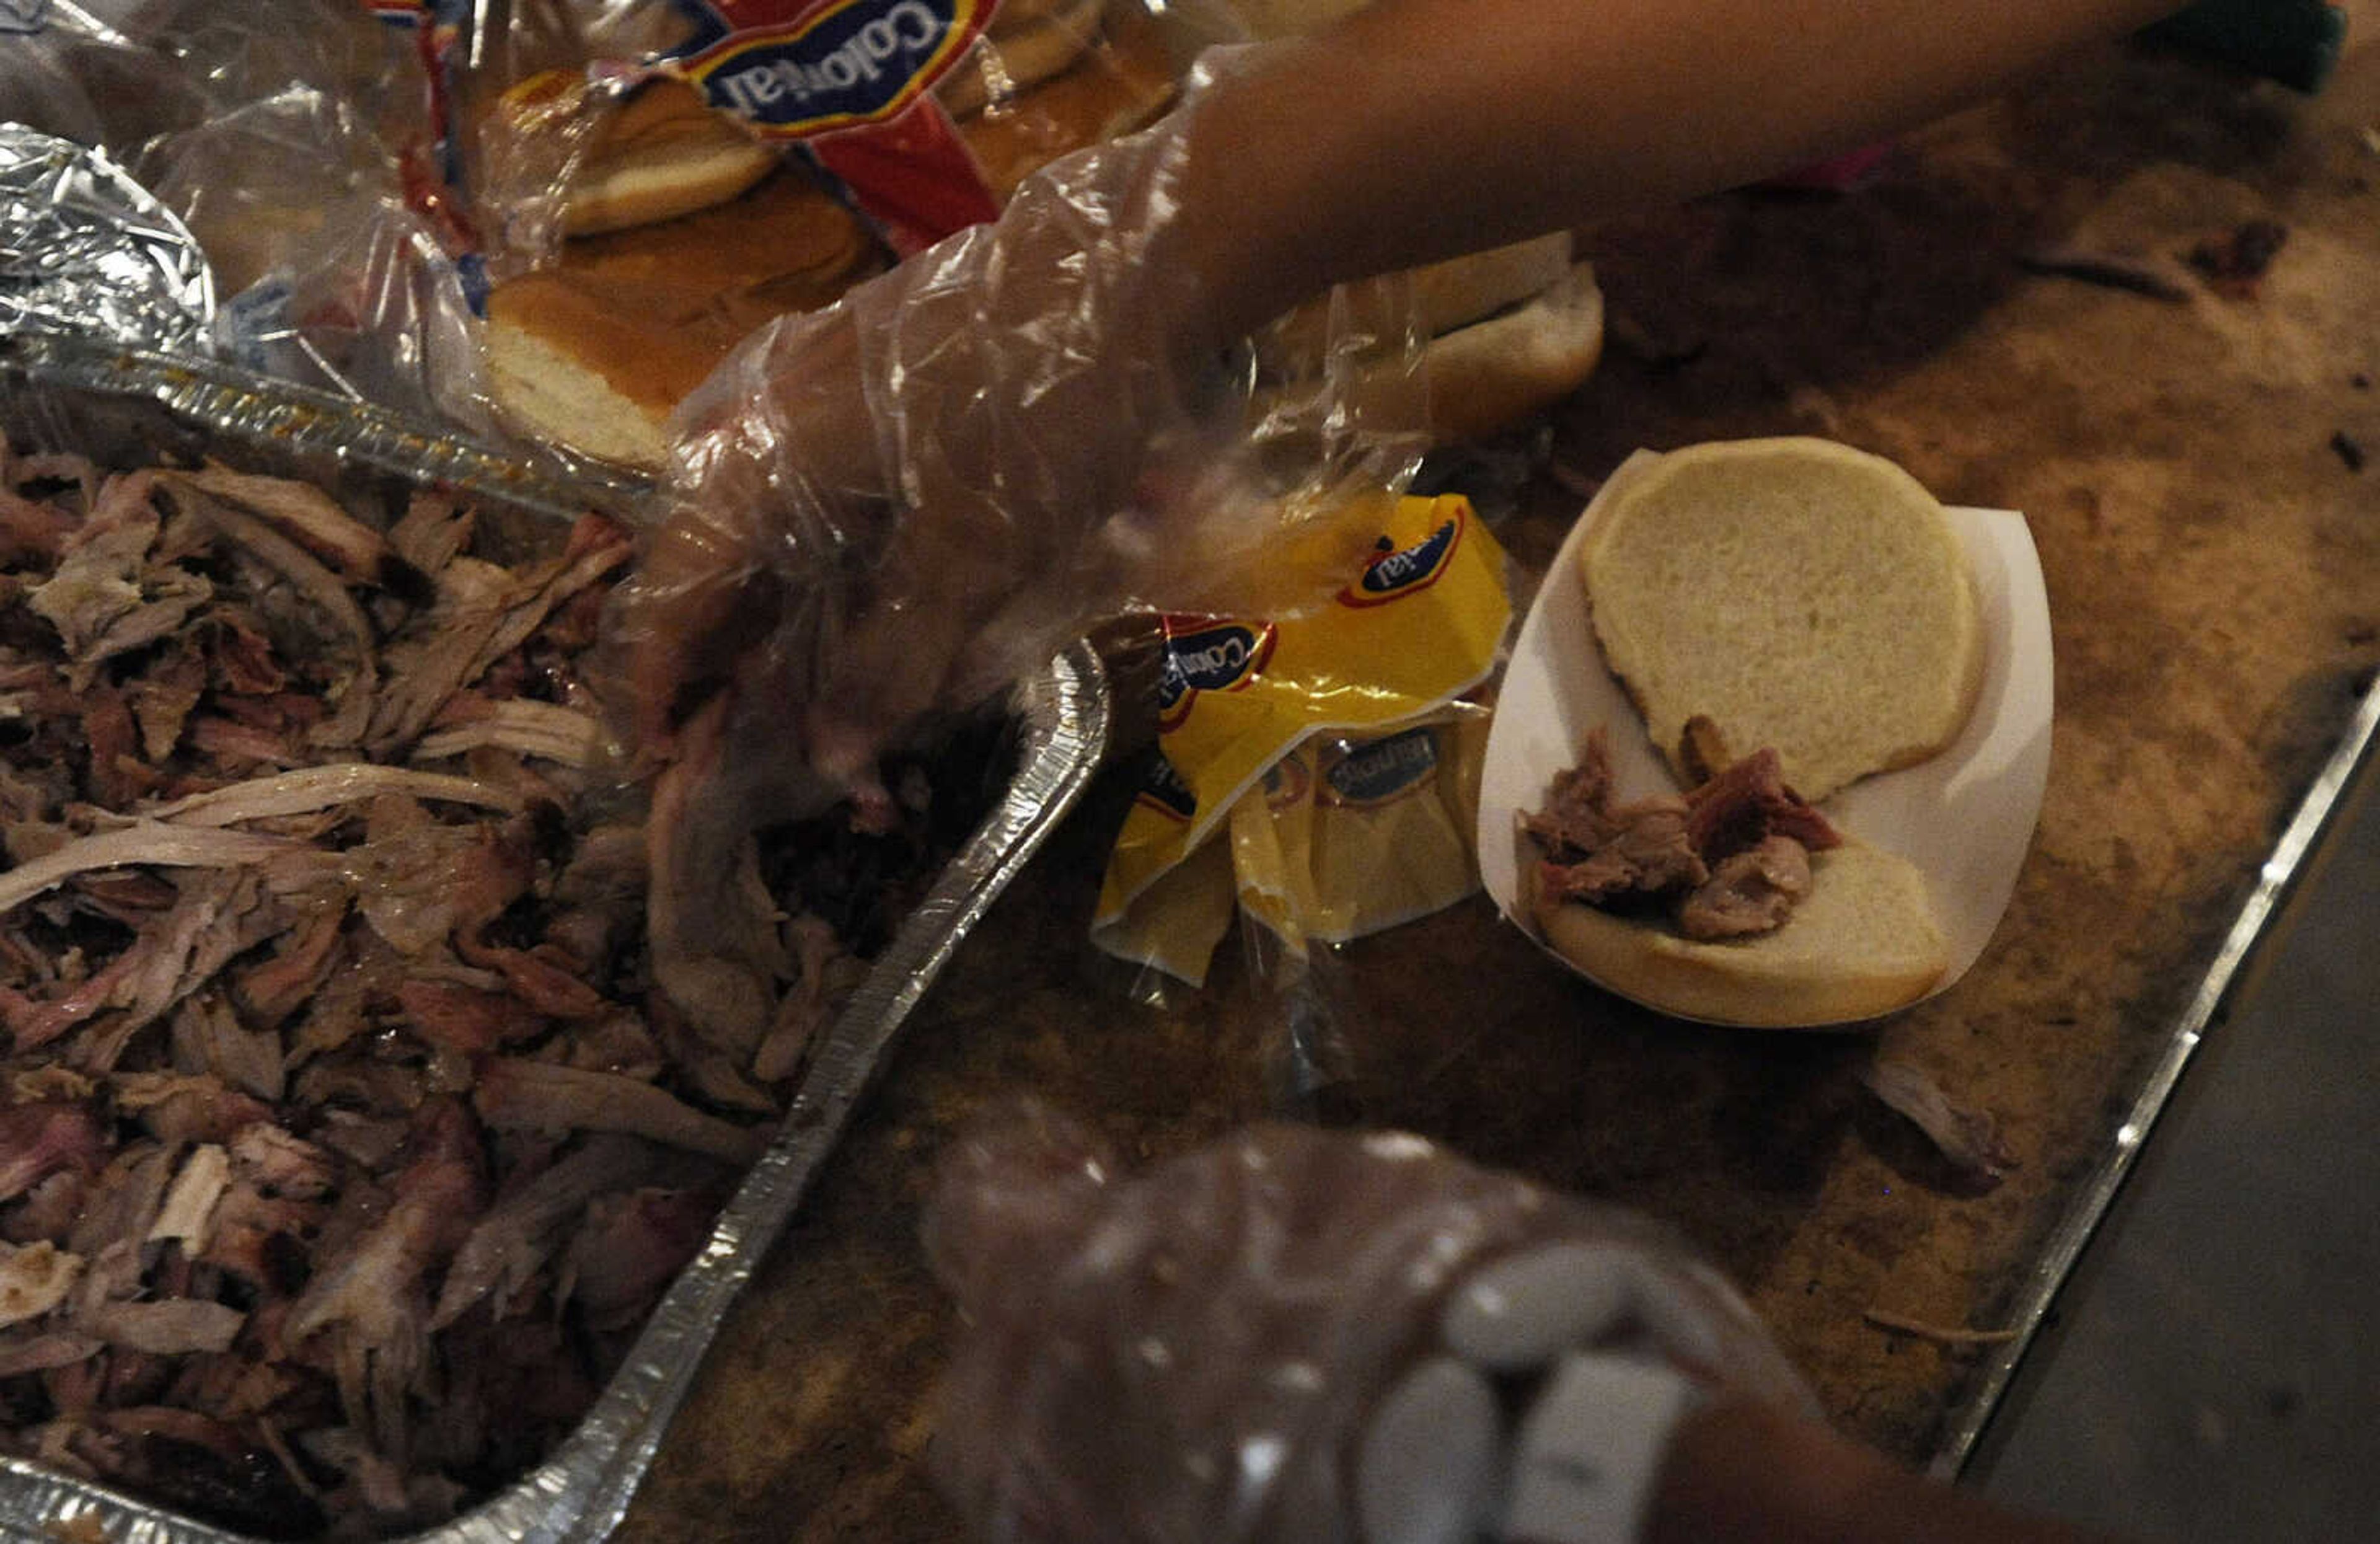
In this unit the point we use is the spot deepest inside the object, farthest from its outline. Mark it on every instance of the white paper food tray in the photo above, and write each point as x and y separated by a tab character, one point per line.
1964	818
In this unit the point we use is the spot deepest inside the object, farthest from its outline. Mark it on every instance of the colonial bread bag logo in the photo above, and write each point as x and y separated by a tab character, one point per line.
1392	573
1202	654
813	66
1309	767
1371	774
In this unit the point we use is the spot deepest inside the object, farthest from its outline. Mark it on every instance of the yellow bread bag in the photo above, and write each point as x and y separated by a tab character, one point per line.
1331	750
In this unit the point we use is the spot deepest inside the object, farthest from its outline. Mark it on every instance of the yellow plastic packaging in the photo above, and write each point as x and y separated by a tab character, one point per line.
1331	750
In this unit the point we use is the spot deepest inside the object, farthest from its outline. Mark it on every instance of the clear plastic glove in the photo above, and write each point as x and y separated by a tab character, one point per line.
1300	1336
905	501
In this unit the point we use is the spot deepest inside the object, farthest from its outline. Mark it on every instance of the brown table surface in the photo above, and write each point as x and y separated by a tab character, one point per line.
2212	551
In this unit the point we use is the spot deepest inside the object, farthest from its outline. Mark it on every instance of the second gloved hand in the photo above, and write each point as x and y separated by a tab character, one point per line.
1292	1334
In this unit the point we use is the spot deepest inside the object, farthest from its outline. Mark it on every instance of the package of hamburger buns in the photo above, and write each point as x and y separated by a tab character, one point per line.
654	182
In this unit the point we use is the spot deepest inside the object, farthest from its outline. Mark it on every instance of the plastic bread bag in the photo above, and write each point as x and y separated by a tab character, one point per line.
374	306
314	184
333	277
650	184
924	115
896	506
1327	751
213	108
297	141
1313	779
1297	1335
94	72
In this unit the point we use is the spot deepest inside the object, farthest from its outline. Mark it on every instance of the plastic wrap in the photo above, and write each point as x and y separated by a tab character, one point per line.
1328	752
297	141
647	186
924	116
1201	1351
313	183
888	506
69	71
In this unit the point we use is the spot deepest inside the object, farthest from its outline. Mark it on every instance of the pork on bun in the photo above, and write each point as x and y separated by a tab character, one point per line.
1789	615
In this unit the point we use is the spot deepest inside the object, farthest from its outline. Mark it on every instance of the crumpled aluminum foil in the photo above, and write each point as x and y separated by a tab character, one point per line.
85	249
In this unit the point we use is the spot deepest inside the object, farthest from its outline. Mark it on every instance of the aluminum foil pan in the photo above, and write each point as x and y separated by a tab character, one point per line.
197	402
84	246
1061	717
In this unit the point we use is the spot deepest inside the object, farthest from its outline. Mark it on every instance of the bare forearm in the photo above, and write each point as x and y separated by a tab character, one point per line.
1418	130
1736	1471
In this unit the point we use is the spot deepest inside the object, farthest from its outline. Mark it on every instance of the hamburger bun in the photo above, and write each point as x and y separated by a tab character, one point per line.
664	153
1489	375
1029	41
1121	80
1506	333
1796	593
1789	615
596	351
1863	943
654	155
685	235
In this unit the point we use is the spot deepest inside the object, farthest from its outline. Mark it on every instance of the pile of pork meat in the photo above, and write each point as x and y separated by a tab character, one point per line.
348	1126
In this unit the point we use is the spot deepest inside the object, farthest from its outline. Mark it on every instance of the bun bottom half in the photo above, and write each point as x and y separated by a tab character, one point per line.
1863	943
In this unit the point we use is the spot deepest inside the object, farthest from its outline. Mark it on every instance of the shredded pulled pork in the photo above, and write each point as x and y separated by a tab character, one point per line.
348	1130
1968	1139
1728	859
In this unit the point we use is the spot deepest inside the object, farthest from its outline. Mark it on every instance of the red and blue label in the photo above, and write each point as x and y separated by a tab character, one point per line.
1204	654
431	170
850	78
823	67
1392	573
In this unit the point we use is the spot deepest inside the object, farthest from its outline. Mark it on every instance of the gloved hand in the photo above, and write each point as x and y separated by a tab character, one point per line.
911	498
1299	1336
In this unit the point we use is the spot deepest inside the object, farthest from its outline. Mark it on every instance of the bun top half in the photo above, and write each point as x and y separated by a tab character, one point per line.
1797	593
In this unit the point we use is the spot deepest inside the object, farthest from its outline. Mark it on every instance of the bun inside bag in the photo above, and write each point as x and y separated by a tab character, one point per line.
683	232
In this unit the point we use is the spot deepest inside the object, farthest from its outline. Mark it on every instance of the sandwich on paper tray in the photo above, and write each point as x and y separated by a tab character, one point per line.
1787	618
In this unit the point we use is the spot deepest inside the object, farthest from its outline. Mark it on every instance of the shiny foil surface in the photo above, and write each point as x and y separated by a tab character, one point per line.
84	248
89	398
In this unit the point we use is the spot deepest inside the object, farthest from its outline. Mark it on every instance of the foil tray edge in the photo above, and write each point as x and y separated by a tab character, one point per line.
582	1489
2072	1233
